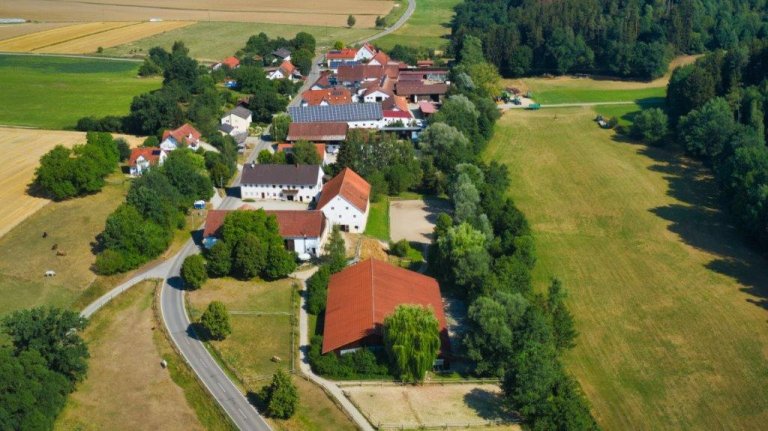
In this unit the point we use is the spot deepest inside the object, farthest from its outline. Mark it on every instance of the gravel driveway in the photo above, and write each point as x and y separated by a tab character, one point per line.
415	220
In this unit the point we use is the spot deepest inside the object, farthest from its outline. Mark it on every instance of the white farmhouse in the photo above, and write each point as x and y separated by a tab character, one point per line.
300	183
365	52
239	120
345	201
144	158
184	136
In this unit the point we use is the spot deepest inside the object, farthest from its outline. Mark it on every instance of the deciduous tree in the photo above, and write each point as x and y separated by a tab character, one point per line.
412	340
215	320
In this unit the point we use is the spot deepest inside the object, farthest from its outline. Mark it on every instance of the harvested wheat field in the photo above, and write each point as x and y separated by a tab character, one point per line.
130	33
21	149
43	39
126	388
8	31
431	406
331	13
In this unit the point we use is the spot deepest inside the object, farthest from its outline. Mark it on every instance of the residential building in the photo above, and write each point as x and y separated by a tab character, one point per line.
417	91
301	183
379	59
239	119
356	115
331	134
184	136
144	158
345	201
361	296
303	231
229	62
286	71
327	96
365	52
337	57
282	54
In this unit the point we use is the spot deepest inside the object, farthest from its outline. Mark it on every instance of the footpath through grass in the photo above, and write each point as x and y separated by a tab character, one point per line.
666	297
54	92
428	27
217	40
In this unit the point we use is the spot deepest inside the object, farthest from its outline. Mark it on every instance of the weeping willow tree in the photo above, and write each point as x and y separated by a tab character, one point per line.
412	339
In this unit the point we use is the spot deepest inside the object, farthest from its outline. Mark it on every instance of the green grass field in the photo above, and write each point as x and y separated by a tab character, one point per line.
262	329
54	92
428	28
582	90
668	300
72	225
217	40
378	220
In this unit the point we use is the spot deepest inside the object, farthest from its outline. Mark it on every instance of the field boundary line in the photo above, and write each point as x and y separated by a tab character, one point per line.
83	56
84	36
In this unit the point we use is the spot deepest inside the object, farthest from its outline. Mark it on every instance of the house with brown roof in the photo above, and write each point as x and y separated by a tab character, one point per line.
337	57
184	136
300	183
303	231
416	91
361	296
345	201
229	62
144	158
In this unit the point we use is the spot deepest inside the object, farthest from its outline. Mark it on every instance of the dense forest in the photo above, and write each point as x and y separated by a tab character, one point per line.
628	38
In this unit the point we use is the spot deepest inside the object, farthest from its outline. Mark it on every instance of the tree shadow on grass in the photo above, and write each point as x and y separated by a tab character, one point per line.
699	220
488	405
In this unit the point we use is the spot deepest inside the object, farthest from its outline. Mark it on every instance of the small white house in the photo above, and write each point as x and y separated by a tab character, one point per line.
144	158
365	52
184	136
345	201
300	183
239	119
286	71
376	95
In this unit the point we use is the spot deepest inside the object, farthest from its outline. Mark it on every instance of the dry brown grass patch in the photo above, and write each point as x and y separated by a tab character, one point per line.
118	36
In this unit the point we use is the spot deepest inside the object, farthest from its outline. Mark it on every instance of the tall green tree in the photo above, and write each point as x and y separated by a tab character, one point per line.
250	257
280	124
351	21
215	320
412	341
193	272
219	259
650	126
281	396
563	328
305	153
336	251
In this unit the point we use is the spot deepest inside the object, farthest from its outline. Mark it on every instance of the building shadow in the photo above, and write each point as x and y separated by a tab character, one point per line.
700	219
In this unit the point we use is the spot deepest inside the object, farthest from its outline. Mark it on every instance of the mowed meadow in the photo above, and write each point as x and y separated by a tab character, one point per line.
54	92
668	299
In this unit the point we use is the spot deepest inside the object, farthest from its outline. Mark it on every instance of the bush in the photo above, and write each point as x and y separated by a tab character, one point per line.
650	126
317	290
400	248
193	272
281	396
219	259
361	364
110	262
215	320
123	148
151	141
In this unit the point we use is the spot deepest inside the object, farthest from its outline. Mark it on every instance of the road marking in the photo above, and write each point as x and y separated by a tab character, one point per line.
222	387
242	413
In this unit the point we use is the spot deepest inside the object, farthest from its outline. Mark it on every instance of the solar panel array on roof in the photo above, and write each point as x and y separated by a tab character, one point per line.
337	113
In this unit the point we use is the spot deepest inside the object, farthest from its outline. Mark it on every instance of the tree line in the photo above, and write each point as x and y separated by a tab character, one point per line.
484	253
716	111
629	38
65	173
46	357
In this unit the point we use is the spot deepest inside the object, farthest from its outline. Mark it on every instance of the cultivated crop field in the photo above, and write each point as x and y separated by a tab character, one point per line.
126	388
54	92
21	149
667	298
216	40
330	13
8	31
412	407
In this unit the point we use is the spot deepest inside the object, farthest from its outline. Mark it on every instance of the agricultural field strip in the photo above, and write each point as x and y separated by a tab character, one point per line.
118	36
295	6
87	35
30	42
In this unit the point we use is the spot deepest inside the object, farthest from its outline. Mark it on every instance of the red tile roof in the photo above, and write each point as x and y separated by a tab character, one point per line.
331	96
381	57
349	185
183	134
361	296
292	223
427	107
231	62
397	114
151	154
287	68
317	132
342	54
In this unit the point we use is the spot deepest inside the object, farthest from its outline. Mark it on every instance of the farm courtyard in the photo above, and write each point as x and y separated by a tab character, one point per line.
668	299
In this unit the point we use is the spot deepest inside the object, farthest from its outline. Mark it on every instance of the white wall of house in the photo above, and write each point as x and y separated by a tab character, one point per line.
364	54
368	124
143	165
241	125
304	193
310	245
376	96
170	143
340	212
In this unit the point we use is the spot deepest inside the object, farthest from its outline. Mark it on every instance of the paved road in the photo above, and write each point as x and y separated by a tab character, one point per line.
174	313
394	27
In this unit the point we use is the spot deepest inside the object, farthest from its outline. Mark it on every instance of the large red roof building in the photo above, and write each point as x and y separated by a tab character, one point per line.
361	296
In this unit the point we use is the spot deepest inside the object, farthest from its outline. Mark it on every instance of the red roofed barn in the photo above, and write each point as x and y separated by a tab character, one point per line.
345	201
361	296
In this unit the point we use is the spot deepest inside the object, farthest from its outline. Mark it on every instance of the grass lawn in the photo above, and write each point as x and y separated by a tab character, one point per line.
125	359
217	40
256	338
53	92
429	27
584	90
666	296
25	255
378	220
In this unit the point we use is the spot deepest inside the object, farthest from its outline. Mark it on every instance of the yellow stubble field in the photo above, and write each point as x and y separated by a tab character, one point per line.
21	149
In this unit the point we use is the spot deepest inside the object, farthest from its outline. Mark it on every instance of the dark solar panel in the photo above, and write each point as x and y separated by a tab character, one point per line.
336	113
